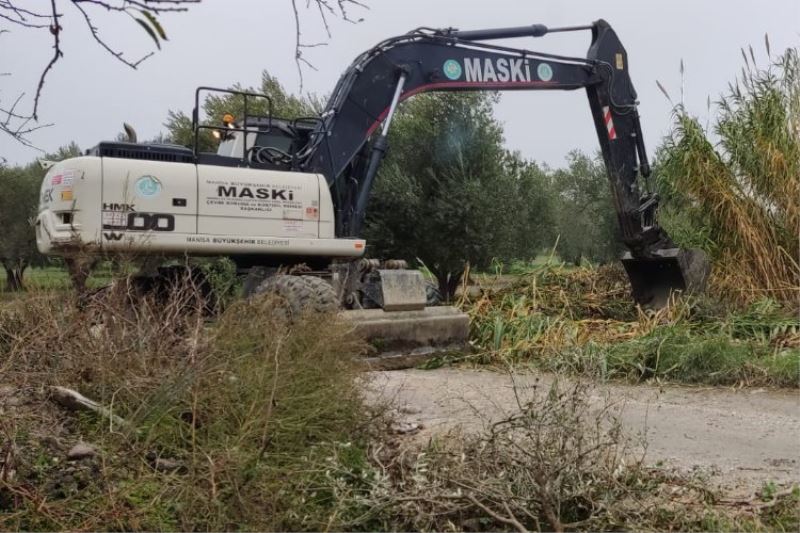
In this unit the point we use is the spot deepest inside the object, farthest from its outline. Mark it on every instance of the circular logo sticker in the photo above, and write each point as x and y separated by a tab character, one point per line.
544	71
452	69
148	187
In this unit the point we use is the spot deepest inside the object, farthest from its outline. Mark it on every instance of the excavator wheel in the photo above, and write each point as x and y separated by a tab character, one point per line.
298	294
432	294
325	298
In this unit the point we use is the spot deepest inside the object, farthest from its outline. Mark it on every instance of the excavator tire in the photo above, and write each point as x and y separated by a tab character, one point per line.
325	298
298	294
433	296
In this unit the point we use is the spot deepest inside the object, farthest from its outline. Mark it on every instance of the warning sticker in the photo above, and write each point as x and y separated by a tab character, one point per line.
64	178
293	226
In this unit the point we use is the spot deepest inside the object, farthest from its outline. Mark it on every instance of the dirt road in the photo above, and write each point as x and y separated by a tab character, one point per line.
742	438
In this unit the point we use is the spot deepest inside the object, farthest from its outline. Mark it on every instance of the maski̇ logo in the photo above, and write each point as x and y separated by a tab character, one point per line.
452	69
148	186
504	69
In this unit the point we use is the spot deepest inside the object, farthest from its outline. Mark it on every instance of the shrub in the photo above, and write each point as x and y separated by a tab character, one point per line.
258	421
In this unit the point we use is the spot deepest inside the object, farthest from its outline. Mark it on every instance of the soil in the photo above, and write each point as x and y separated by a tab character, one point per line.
740	438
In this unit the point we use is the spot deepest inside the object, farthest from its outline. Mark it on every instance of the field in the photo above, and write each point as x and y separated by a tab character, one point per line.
55	279
172	411
247	422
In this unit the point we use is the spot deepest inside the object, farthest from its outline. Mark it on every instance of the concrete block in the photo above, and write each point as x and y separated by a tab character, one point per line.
403	290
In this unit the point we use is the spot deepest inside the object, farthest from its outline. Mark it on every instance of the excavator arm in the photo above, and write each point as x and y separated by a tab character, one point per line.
348	148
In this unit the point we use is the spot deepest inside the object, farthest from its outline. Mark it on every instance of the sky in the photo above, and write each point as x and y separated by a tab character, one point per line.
89	94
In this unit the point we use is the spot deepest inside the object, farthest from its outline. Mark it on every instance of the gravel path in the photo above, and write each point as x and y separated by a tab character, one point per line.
742	438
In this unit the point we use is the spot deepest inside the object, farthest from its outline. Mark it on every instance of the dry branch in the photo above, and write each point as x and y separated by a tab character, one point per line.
75	401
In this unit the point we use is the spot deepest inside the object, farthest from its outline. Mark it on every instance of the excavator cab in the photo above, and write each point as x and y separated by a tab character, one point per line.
254	137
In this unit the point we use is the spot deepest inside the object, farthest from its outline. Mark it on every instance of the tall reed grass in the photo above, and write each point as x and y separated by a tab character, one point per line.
734	188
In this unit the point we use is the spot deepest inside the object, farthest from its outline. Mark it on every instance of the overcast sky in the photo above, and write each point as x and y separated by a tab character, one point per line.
89	94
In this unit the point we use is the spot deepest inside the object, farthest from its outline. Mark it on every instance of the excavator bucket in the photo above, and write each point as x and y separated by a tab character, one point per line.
655	279
404	332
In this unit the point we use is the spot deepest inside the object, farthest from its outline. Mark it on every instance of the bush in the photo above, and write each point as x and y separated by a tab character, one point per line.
247	423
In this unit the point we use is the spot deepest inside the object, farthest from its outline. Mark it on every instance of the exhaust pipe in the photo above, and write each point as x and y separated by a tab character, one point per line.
672	270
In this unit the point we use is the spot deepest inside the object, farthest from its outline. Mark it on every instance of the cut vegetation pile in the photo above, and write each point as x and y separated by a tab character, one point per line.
583	320
732	190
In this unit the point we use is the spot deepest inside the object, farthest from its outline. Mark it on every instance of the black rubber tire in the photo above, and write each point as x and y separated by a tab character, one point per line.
432	295
325	298
299	294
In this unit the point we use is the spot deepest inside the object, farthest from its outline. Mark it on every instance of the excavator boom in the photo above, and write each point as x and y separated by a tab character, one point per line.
347	147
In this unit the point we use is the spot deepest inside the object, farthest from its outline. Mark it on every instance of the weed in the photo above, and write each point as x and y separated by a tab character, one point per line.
247	412
737	198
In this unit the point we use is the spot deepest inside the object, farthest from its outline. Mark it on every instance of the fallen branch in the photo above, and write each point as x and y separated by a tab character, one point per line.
76	401
510	520
757	503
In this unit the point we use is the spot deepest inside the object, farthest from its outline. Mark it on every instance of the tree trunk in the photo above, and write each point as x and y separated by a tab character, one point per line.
79	270
14	278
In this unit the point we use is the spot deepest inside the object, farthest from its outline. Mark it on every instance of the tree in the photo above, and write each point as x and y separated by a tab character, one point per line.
536	199
448	193
46	18
587	223
18	206
285	105
17	211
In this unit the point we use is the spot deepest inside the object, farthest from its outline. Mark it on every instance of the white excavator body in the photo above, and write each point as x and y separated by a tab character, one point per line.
172	208
137	207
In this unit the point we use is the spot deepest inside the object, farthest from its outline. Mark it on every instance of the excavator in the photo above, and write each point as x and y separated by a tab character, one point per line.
286	199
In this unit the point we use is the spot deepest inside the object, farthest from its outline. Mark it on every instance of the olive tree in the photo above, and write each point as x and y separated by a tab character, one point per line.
449	194
17	212
214	106
586	222
18	206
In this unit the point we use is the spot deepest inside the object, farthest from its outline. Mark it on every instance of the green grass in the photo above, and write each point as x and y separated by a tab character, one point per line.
679	354
56	278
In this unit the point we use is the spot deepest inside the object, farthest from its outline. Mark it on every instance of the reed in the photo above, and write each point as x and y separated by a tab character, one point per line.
738	183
